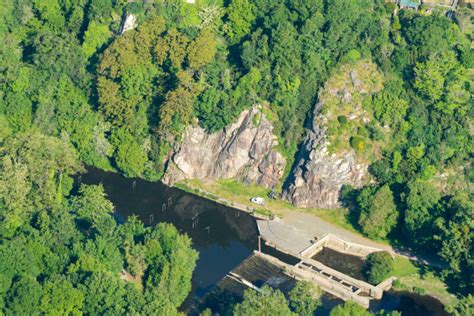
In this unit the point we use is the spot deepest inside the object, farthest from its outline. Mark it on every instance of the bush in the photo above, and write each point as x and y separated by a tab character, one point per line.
375	132
357	143
464	306
399	286
265	302
342	120
351	57
419	290
363	132
379	266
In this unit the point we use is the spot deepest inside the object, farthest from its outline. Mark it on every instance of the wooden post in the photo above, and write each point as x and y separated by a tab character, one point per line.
259	243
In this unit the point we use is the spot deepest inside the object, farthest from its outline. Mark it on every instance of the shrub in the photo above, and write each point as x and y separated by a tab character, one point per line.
362	131
397	285
342	120
351	57
419	290
349	309
379	266
375	132
464	306
266	302
357	143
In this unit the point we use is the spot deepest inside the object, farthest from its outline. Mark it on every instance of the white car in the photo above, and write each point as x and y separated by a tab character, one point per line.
258	200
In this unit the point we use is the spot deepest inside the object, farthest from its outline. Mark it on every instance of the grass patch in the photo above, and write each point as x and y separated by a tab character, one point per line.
263	212
420	279
237	194
403	267
237	188
341	217
337	216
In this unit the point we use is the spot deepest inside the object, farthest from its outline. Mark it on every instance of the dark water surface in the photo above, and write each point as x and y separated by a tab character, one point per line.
223	236
410	304
347	264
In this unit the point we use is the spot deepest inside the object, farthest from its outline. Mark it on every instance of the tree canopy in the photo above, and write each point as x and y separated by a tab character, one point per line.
76	91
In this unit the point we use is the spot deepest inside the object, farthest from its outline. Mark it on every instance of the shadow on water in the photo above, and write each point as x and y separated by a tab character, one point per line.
409	304
223	236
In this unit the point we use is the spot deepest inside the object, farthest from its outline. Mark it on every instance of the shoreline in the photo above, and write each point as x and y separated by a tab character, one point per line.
411	283
412	278
208	195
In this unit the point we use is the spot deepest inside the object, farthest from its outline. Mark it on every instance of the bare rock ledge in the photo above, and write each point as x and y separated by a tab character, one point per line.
244	151
318	175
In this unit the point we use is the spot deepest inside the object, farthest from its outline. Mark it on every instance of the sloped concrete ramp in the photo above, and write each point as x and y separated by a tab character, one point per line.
298	231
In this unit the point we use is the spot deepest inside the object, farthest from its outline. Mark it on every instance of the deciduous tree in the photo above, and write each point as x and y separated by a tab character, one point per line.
378	213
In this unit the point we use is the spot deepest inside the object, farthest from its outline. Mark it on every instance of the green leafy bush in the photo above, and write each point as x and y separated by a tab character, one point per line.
357	143
349	308
265	302
342	120
378	266
304	298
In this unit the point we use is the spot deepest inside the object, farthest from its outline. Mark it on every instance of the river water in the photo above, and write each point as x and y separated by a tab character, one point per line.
222	235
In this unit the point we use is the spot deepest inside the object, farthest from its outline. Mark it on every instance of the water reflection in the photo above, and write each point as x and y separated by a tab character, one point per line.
223	236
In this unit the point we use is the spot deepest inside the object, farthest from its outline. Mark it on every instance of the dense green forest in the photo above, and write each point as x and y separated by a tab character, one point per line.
74	91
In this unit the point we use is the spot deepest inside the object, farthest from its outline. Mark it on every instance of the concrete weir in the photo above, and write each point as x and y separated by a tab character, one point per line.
296	243
332	281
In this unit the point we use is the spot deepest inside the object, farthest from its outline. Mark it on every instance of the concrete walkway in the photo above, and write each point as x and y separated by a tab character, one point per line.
297	231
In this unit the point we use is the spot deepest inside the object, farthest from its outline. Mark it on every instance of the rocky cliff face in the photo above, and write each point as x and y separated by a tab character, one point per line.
129	23
243	151
318	175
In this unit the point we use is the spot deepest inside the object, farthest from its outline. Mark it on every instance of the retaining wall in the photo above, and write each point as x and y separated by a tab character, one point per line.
333	242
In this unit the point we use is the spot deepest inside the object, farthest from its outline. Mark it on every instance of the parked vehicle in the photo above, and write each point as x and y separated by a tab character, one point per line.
258	200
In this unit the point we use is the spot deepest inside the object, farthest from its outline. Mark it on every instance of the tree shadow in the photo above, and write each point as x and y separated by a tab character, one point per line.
348	199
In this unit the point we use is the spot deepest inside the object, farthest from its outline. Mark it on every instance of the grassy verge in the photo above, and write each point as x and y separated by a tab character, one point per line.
403	267
237	194
421	279
411	276
339	217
